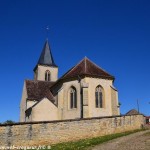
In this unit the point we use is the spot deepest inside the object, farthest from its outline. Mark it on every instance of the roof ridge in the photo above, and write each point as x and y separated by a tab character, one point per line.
85	67
98	66
85	58
74	67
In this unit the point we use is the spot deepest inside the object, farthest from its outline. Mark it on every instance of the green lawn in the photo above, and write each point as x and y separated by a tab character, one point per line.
84	144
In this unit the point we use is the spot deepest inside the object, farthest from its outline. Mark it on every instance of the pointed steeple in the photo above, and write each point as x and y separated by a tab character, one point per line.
46	69
46	57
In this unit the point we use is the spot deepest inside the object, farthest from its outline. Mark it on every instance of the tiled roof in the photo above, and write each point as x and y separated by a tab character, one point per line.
36	90
87	67
132	112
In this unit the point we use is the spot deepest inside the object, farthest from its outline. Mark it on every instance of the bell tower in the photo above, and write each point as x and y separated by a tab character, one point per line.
46	69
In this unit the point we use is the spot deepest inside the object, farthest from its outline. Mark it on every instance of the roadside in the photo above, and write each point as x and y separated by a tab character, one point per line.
87	143
135	141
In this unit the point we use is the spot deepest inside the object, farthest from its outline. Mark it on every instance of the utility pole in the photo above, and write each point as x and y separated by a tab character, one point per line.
138	106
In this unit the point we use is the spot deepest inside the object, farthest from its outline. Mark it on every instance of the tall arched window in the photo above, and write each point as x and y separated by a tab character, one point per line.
73	97
47	75
99	97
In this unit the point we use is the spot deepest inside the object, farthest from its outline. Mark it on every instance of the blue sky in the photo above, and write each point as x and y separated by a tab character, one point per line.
112	33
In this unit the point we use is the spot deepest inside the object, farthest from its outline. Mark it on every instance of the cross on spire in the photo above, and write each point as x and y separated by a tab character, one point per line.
47	31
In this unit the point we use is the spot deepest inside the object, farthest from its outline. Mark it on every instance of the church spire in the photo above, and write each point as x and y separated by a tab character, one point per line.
46	57
46	69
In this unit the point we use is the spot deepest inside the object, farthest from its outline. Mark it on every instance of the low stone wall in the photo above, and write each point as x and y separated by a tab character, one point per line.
147	126
50	132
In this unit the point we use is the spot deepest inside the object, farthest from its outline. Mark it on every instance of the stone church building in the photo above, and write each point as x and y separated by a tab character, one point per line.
84	91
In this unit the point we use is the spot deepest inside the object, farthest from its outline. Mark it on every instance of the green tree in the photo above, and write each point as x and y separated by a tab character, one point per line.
9	122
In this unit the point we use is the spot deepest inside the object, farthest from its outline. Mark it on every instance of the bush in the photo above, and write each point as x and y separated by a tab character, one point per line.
9	122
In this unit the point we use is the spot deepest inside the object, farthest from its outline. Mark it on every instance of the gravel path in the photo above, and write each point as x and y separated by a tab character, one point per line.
136	141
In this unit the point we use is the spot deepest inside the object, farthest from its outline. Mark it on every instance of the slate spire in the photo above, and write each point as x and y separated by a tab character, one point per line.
46	57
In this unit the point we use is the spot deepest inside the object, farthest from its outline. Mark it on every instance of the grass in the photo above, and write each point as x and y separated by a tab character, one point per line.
147	134
84	144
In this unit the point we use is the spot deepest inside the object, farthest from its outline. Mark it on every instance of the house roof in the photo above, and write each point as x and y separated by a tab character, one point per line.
36	90
87	67
132	112
46	57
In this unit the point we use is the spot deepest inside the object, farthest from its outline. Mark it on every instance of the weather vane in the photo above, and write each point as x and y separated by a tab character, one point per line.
47	31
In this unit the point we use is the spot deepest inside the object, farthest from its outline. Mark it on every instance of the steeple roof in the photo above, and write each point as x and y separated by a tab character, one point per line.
88	68
46	57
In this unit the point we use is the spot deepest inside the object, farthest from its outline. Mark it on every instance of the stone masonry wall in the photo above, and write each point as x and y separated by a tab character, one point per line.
47	133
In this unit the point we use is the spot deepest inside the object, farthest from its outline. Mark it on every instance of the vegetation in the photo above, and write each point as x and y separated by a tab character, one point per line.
119	104
148	133
9	122
84	144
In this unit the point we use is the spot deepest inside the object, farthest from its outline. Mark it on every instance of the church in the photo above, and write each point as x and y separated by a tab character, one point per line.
84	91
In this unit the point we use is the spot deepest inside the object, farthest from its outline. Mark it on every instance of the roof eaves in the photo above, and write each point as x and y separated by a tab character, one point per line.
113	88
41	100
82	75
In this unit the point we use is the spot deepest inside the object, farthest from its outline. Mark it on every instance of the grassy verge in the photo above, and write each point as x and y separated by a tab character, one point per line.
84	144
147	134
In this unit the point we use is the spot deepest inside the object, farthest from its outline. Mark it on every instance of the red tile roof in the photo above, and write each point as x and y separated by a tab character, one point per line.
87	67
132	112
36	90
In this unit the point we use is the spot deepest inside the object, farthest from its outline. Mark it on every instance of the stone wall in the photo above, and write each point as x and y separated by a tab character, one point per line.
114	101
50	132
107	100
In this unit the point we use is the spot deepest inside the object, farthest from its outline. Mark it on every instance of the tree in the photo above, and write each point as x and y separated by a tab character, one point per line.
119	104
9	122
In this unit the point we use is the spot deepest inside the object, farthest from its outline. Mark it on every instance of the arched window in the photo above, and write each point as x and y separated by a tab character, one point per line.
47	75
99	97
73	98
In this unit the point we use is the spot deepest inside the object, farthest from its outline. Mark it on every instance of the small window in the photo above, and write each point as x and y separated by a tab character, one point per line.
73	98
47	75
99	97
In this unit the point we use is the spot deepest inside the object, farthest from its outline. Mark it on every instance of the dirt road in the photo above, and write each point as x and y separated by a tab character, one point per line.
136	141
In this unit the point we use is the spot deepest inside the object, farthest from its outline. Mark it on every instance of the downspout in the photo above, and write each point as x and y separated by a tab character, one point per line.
81	98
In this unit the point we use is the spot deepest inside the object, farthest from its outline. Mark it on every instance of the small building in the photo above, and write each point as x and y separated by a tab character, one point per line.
86	90
132	112
147	120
